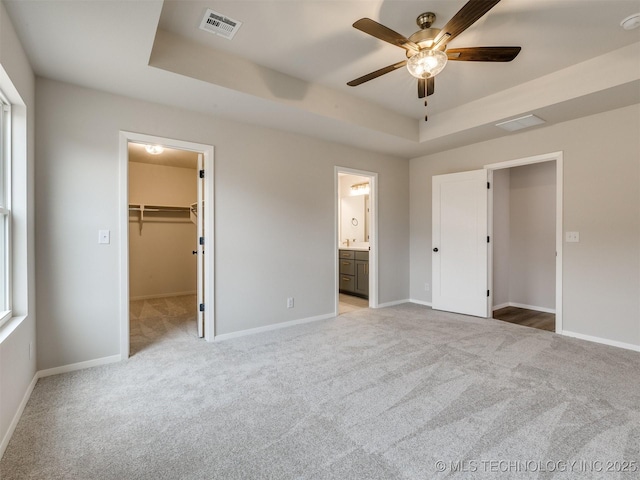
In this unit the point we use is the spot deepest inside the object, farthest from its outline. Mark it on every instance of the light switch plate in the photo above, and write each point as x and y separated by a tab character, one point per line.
572	237
104	237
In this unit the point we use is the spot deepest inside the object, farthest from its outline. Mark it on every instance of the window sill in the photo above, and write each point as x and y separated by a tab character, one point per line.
11	324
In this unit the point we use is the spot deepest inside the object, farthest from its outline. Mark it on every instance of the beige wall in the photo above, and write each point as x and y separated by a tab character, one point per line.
601	200
501	236
532	253
274	218
160	258
524	237
18	336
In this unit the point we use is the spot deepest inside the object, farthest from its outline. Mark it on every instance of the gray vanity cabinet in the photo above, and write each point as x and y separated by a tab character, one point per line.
353	277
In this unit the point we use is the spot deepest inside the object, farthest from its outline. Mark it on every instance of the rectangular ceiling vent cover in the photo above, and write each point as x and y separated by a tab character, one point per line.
214	22
520	123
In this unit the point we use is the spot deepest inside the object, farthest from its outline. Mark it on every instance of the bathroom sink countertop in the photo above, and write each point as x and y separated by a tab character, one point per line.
354	247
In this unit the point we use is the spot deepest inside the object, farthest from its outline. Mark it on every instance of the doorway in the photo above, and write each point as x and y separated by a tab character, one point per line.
541	235
523	245
464	239
356	240
164	235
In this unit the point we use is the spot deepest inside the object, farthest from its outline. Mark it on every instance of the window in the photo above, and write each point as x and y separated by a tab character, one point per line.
5	209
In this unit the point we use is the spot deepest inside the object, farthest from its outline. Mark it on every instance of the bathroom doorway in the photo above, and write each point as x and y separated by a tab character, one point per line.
356	240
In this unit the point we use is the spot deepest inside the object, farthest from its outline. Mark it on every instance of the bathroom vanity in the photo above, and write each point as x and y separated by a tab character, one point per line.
353	275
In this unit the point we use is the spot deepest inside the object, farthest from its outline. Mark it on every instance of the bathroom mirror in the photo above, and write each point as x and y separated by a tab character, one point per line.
354	208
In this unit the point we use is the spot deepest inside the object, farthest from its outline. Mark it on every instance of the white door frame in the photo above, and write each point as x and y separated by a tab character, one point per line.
373	233
546	157
123	240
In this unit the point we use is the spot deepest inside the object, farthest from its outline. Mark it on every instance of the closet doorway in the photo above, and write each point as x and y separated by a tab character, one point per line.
524	245
166	278
465	244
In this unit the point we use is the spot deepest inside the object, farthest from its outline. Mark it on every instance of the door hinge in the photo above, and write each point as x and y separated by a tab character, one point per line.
488	185
201	241
201	173
202	307
488	239
487	293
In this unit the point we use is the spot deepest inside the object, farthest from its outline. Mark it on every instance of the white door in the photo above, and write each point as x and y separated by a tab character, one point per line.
200	246
459	242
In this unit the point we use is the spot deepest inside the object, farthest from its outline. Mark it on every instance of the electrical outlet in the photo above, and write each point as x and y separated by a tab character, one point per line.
426	287
30	350
290	302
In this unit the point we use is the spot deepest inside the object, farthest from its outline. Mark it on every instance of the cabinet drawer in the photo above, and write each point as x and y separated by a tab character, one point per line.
347	267
347	254
347	282
362	256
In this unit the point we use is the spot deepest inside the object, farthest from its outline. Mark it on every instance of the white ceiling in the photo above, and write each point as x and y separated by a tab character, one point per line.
288	65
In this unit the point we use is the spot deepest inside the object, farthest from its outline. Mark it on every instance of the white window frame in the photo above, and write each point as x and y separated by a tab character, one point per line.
5	207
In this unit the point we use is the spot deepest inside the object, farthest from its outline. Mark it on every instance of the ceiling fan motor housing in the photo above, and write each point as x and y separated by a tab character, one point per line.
423	38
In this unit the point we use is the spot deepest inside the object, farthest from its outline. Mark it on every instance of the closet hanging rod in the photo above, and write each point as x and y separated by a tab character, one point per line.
157	208
143	208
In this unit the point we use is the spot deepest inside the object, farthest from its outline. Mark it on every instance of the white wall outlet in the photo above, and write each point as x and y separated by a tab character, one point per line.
290	302
426	287
572	237
104	237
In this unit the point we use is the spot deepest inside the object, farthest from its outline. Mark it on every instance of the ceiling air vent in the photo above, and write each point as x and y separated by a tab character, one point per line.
520	123
214	22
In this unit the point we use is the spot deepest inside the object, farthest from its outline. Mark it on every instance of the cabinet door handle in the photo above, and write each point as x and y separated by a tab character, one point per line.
346	263
346	279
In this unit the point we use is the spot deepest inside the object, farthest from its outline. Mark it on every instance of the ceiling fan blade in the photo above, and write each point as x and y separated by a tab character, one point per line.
376	74
483	54
422	88
466	16
431	85
385	34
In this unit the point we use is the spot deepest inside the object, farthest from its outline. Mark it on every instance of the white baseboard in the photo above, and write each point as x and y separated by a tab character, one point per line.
79	366
162	295
275	326
46	373
18	414
420	302
391	304
604	341
522	305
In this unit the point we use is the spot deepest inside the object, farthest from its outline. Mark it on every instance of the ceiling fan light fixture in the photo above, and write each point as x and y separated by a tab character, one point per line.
427	63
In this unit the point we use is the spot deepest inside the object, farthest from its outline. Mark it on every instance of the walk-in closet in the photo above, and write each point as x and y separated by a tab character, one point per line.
162	241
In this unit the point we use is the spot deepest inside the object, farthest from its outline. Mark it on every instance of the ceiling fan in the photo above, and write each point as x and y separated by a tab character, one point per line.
426	49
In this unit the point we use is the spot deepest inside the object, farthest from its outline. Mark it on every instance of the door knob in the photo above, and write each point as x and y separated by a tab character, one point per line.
435	249
194	252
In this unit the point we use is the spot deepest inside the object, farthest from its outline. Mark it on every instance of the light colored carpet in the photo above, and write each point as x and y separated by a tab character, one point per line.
372	394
